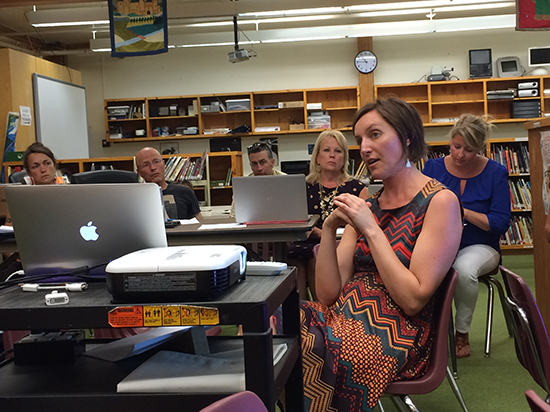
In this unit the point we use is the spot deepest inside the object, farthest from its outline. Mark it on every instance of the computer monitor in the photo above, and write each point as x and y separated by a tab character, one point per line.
509	66
480	63
539	56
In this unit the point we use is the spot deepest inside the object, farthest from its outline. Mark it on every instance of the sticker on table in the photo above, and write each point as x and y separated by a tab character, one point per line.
171	316
190	315
126	317
152	316
210	316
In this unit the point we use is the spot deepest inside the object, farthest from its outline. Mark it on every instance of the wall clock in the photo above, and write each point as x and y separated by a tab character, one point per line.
366	61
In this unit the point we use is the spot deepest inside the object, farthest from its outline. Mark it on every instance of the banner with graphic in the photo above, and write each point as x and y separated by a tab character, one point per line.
533	15
9	142
138	27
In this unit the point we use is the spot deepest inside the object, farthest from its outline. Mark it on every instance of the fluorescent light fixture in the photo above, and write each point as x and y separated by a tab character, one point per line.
335	32
71	23
405	12
274	20
297	12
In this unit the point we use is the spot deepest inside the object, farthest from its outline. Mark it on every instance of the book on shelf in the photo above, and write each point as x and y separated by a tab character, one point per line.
229	176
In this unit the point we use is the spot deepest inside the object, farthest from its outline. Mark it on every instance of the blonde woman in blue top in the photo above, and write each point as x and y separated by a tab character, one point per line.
482	186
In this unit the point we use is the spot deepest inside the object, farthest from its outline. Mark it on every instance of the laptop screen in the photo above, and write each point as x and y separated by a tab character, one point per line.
270	199
59	228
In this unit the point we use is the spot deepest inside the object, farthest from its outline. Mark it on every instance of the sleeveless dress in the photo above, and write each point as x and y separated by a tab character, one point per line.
352	350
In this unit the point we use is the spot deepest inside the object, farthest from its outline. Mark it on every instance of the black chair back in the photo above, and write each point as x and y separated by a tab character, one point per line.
105	176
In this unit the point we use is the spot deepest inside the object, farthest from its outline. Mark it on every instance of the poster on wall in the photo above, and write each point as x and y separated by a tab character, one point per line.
545	154
533	15
138	28
11	133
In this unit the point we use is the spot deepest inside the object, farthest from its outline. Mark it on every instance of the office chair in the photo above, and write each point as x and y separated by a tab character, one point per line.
536	403
438	367
530	335
105	176
17	177
241	401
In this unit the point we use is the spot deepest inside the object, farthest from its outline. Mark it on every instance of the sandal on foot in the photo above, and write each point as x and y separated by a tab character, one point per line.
462	345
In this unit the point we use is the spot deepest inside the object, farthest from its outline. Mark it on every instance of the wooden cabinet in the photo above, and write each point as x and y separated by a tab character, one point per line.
441	103
219	166
215	115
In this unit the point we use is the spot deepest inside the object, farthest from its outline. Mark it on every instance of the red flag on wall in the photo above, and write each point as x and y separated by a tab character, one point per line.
533	15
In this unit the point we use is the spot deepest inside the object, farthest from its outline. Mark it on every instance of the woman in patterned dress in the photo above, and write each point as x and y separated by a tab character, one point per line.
373	322
328	177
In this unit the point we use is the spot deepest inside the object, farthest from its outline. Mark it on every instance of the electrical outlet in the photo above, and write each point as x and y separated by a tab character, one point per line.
105	143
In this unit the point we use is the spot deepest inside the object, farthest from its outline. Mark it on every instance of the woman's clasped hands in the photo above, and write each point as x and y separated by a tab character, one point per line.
353	211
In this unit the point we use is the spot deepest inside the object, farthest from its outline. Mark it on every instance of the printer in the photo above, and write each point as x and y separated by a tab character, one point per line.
175	273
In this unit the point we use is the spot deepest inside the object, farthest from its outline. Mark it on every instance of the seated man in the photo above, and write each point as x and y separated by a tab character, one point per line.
150	166
261	162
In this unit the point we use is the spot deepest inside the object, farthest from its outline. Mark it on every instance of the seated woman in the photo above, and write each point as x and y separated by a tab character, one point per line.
328	177
40	164
396	249
481	184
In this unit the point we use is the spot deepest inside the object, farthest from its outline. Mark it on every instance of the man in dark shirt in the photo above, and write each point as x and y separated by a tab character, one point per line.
150	166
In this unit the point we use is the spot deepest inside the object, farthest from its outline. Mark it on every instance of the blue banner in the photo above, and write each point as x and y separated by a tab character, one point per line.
138	27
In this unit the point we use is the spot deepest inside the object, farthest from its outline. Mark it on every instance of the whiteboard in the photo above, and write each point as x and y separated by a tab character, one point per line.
60	117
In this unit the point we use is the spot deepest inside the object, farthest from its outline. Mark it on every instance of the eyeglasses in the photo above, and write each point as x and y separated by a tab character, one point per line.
259	145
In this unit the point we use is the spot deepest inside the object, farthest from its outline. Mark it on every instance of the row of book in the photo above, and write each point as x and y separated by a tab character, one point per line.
520	231
520	194
180	169
223	182
515	159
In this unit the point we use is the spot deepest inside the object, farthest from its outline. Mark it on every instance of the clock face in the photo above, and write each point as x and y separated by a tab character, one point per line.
366	61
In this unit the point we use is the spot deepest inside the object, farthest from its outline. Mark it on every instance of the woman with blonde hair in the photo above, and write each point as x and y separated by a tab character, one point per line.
481	184
328	177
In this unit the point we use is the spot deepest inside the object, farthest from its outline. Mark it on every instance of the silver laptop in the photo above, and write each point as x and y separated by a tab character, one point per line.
59	228
270	199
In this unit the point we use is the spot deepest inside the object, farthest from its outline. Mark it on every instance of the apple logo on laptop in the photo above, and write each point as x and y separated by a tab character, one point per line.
88	232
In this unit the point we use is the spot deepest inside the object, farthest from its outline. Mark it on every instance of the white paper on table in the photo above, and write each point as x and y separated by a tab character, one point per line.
221	226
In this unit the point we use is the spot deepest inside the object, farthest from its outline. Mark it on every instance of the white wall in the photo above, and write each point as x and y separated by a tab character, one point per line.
402	59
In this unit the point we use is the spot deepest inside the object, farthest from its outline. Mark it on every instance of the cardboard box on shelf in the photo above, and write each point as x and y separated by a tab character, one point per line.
299	126
290	105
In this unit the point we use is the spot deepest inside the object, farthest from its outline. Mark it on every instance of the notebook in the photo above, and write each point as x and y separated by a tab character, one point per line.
270	199
59	228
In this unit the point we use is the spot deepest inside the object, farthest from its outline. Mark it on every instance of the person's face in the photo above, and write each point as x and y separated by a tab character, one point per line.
261	164
41	169
331	155
461	155
380	146
150	166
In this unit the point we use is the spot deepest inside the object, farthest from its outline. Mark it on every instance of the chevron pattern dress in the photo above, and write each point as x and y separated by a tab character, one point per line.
353	350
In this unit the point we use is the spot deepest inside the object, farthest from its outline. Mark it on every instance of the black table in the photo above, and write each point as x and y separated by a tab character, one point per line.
90	384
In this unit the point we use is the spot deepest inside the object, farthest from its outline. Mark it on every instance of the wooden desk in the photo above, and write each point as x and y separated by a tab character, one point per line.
90	384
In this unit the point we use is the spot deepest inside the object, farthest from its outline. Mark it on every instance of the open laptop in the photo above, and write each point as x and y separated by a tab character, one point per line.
59	228
270	199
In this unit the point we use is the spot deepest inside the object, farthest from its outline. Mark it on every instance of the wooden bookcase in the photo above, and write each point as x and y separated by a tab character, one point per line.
219	164
277	112
441	103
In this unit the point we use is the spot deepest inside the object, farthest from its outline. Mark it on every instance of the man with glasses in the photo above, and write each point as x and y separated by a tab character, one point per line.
182	202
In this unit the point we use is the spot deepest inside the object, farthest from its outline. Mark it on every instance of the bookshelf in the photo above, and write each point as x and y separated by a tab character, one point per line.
278	112
217	166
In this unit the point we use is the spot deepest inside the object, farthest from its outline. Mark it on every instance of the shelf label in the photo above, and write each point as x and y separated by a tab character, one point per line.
163	315
521	139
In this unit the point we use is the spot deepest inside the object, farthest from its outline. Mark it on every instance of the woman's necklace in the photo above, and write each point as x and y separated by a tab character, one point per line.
326	201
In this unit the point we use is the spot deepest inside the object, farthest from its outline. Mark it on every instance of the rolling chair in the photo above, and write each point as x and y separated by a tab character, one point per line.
438	367
105	176
17	177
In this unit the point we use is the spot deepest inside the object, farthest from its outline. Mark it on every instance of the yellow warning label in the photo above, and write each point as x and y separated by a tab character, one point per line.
190	315
126	317
152	316
171	316
209	316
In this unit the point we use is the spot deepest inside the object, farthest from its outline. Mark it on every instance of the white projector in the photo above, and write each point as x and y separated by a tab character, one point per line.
176	273
238	56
